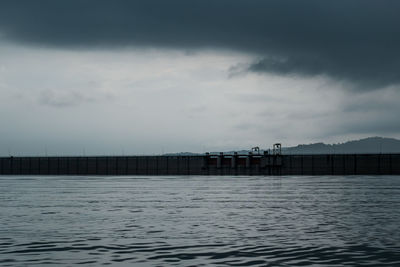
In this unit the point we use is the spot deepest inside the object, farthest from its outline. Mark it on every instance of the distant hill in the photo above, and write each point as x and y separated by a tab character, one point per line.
362	146
366	145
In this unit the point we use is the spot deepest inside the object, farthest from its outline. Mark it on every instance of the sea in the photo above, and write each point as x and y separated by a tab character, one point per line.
200	221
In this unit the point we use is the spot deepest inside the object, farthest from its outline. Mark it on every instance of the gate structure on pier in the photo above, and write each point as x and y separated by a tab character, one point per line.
243	164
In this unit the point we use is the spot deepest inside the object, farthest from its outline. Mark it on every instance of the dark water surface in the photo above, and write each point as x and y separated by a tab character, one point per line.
194	221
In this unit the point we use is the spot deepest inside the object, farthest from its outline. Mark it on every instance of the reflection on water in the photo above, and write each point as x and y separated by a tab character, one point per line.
194	221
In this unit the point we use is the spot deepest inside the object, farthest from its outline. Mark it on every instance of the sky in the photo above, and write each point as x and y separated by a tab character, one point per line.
126	77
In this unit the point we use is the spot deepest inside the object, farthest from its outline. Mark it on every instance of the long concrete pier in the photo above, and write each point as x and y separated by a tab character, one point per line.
221	164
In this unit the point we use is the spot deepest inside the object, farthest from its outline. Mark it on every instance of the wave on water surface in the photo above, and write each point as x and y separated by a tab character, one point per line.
200	221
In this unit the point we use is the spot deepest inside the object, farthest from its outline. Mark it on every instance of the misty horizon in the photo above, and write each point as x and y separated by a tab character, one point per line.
368	145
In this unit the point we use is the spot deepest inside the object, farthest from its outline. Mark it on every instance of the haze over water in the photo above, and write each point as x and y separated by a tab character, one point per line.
195	221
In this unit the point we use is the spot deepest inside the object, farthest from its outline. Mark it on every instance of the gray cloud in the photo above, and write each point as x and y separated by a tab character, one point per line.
352	40
62	99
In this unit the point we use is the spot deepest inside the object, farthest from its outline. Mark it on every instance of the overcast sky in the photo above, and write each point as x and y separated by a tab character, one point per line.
90	77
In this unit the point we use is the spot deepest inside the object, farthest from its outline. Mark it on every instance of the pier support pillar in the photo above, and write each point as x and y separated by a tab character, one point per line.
205	161
233	160
219	160
248	161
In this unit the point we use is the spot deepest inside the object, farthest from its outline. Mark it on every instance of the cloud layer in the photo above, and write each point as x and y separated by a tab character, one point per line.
355	41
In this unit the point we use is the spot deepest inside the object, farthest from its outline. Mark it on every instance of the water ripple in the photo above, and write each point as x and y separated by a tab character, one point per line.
200	221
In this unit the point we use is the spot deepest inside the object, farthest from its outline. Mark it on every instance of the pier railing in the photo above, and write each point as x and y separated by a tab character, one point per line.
208	164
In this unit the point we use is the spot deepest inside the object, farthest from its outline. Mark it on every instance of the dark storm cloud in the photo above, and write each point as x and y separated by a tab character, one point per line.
386	125
349	40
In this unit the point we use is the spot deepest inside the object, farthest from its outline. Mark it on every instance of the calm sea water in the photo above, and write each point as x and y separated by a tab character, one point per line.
195	221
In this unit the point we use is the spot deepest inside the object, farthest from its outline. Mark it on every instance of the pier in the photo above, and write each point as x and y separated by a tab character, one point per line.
207	164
